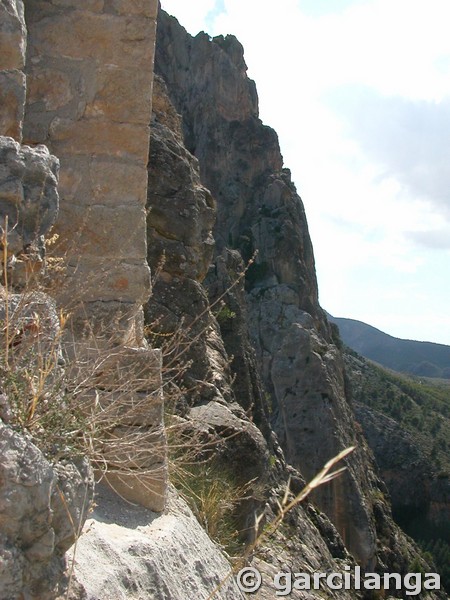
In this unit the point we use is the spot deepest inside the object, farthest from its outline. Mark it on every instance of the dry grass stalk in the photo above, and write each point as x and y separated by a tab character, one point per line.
285	506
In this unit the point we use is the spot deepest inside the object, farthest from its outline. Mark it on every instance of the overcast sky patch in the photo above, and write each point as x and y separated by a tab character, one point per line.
437	240
410	139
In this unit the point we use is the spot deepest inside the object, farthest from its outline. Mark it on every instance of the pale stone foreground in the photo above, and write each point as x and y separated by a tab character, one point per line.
129	552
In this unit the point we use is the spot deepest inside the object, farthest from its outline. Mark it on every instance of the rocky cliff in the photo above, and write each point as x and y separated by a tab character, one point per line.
284	354
209	407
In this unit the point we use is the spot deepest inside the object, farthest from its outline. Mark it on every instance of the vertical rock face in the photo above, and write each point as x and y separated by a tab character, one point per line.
181	215
12	61
239	157
258	210
89	74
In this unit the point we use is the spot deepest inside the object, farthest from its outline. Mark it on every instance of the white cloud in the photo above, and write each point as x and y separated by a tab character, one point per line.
432	238
408	139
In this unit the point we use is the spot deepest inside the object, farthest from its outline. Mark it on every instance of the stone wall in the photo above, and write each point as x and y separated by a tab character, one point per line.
77	78
89	76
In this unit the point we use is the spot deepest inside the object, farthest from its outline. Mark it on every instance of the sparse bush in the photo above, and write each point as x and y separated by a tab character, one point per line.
225	314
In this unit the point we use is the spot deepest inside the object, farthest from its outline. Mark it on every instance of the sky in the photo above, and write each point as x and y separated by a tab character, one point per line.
359	94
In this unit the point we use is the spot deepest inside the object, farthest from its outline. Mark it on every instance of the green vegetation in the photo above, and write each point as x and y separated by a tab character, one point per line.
420	405
439	550
225	315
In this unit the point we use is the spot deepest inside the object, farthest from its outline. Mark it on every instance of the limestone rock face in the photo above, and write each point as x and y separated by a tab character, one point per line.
28	195
12	35
225	285
181	215
181	210
212	406
259	210
240	160
35	527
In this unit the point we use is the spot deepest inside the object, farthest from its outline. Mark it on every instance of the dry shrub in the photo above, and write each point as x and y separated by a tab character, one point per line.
81	394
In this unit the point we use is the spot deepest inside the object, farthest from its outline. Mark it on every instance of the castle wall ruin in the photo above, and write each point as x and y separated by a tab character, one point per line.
77	77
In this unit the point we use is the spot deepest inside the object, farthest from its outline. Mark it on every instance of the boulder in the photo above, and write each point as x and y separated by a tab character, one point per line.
28	197
128	552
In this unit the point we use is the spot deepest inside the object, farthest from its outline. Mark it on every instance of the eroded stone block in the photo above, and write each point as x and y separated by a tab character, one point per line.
122	95
106	38
101	138
136	7
115	232
149	490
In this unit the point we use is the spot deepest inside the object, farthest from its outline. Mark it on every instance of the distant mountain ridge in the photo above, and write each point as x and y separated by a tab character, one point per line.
425	359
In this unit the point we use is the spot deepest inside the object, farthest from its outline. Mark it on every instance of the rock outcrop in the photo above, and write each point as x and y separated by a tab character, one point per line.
46	489
36	530
128	552
29	202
